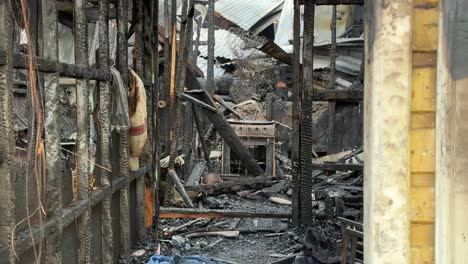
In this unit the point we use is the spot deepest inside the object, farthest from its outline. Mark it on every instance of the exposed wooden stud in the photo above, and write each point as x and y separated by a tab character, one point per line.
82	140
7	140
54	206
122	66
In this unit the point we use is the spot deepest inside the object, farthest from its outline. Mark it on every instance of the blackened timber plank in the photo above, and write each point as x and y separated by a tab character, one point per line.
197	213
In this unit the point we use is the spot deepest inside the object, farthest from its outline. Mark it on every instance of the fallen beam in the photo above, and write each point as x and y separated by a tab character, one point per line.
231	138
196	213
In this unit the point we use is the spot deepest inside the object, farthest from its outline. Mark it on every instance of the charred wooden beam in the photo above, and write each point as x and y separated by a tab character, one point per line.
231	138
7	140
82	122
104	134
197	102
227	106
196	213
180	188
54	205
122	66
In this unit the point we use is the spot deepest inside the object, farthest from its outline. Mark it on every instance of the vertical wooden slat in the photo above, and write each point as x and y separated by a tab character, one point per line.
296	112
104	130
53	199
7	147
122	66
82	116
138	67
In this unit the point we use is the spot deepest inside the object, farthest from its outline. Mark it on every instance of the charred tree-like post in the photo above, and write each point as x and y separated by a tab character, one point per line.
306	144
82	139
104	130
296	112
211	45
138	67
7	145
53	200
122	66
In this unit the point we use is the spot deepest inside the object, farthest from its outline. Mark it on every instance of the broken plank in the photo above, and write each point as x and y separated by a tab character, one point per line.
195	213
174	229
180	188
194	178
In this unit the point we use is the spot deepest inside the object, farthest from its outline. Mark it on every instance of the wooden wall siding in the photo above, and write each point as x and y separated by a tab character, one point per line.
422	131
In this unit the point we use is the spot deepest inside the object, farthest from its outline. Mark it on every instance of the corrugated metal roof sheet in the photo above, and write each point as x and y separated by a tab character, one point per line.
246	13
227	45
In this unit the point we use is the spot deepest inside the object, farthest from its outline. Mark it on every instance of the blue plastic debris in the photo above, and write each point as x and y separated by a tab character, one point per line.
157	259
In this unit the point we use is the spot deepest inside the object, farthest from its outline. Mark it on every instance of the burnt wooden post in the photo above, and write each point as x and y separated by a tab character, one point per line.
82	139
122	66
296	113
138	67
164	95
105	131
54	206
211	45
7	145
306	144
331	85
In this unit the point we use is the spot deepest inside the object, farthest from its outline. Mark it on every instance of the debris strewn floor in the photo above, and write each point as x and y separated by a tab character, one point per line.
238	241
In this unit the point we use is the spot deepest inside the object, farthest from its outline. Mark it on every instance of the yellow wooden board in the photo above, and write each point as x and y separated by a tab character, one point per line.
425	28
422	150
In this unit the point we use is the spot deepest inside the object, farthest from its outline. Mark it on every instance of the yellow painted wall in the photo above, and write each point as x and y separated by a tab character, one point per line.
422	135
